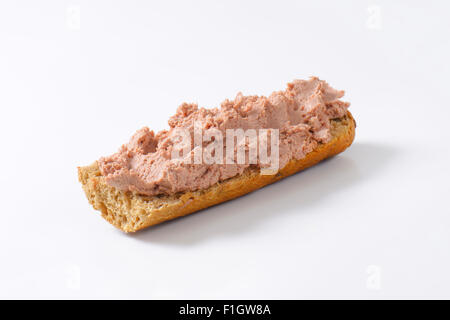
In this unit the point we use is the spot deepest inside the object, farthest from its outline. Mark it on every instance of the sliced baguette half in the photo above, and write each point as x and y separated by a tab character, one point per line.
131	212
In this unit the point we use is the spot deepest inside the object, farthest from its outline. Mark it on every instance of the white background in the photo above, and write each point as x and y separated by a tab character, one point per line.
78	78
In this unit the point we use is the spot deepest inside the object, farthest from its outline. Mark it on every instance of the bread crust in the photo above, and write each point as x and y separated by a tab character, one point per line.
131	212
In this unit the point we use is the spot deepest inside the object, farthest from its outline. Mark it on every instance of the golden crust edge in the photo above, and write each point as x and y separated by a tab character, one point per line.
131	212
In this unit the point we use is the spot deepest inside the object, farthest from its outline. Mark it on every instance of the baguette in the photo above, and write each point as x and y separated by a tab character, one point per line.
130	211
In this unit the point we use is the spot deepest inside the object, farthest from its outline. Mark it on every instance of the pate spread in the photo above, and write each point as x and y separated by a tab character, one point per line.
301	113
